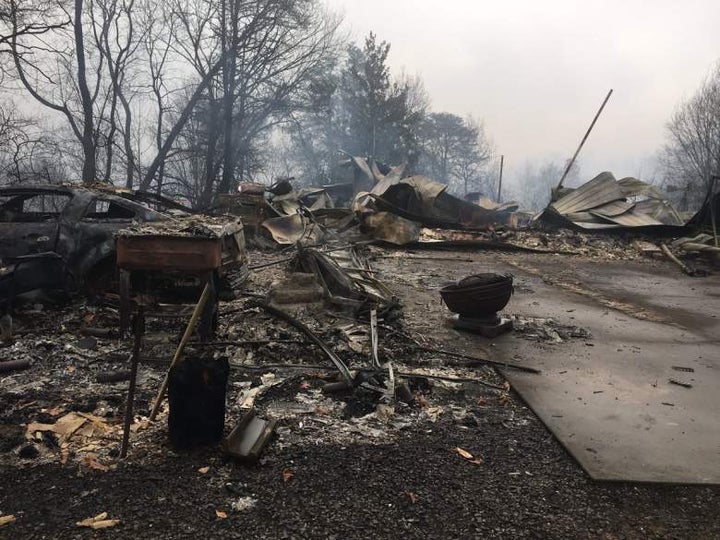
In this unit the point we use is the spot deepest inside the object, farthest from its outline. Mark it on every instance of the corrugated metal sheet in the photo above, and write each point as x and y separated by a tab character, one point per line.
632	187
614	208
632	219
595	226
659	210
582	216
600	190
602	204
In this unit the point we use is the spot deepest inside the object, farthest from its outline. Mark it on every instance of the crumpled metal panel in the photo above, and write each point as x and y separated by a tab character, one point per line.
421	199
363	167
287	230
614	208
391	228
632	187
600	190
598	226
602	203
660	210
634	219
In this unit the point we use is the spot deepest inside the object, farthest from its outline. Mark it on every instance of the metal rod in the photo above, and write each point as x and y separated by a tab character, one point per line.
248	342
407	375
478	360
139	329
502	163
266	265
712	208
587	133
685	268
334	358
374	339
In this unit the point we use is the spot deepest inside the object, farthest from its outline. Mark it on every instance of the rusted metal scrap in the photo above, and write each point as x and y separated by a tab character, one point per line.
162	253
347	279
249	438
250	205
427	202
190	244
283	215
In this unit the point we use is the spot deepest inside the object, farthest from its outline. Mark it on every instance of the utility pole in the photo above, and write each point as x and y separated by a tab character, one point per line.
502	162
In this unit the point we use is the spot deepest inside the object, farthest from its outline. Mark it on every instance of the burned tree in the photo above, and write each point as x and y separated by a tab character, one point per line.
252	59
692	153
45	44
380	116
114	33
104	66
25	152
454	150
75	62
156	27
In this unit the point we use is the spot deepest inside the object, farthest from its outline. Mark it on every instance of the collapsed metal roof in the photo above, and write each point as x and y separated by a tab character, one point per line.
607	203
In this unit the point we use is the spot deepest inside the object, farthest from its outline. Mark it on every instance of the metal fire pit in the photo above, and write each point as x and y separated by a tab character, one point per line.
479	296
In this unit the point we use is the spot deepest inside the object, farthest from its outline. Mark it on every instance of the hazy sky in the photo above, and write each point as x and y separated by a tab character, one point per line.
536	71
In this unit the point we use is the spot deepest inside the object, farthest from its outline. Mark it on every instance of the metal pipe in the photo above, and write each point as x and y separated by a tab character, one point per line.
587	133
139	329
339	364
712	208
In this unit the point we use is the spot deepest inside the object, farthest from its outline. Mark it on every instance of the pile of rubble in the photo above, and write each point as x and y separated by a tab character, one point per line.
545	329
73	412
604	219
569	242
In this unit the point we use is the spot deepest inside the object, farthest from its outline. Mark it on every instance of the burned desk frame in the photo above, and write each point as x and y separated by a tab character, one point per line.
142	257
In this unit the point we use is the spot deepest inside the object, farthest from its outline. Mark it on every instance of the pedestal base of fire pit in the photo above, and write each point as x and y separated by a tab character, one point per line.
489	327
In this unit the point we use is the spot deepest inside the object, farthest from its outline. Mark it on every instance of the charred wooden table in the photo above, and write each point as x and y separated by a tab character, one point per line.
151	255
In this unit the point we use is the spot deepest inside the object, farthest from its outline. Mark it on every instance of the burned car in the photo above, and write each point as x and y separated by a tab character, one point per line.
62	237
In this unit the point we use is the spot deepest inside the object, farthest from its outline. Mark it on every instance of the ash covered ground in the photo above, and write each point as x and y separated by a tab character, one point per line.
463	460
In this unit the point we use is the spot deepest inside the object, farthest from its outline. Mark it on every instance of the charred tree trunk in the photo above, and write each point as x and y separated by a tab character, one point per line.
212	162
127	140
179	125
110	141
229	71
89	150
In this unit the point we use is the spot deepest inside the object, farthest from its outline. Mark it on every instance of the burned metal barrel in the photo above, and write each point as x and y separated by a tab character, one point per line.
196	393
479	295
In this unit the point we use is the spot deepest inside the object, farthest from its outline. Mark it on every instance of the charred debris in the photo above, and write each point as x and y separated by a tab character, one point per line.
265	312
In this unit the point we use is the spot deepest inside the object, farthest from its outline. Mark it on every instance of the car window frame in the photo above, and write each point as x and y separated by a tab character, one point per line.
29	194
85	218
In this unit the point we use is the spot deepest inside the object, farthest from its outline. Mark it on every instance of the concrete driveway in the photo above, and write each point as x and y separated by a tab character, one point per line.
611	402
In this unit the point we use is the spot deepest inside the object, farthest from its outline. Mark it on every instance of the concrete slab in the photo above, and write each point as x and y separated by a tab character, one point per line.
610	403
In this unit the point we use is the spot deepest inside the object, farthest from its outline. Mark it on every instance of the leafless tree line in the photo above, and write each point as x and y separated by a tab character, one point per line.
188	97
692	153
173	95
